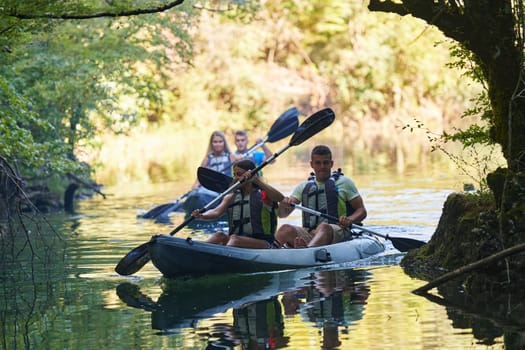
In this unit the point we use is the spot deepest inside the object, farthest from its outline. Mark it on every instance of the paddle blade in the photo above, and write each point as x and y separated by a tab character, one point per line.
311	126
161	210
284	126
405	244
213	180
134	260
132	296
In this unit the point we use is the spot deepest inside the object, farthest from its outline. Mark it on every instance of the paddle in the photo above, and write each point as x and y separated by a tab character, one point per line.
213	180
284	126
400	243
216	181
139	256
163	209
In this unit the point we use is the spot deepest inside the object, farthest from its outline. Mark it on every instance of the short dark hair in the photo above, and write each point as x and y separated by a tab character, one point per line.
246	164
321	150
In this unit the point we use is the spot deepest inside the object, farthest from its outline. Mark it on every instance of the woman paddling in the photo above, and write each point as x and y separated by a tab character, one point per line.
252	211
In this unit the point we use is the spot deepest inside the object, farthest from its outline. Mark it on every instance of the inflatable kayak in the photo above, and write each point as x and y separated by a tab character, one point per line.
175	257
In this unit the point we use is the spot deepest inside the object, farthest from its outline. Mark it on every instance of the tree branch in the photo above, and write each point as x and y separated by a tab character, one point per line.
446	17
470	267
388	6
136	12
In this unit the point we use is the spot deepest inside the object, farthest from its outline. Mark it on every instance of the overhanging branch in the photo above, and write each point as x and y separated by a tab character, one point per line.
135	12
447	16
388	6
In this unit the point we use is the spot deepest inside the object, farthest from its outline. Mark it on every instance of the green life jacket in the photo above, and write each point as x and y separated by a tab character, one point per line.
324	199
248	216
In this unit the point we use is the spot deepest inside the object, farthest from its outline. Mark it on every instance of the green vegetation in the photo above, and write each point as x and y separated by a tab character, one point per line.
64	82
376	71
129	93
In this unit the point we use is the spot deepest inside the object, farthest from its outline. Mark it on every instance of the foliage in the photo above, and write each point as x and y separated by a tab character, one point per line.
495	59
246	64
17	143
80	77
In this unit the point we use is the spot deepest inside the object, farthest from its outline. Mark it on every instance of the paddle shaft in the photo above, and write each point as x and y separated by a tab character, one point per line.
402	244
333	218
252	149
284	126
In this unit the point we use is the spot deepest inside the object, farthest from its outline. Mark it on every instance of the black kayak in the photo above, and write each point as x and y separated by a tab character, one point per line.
175	257
194	199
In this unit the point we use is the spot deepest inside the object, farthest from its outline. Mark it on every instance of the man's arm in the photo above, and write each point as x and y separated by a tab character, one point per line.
284	206
356	202
359	213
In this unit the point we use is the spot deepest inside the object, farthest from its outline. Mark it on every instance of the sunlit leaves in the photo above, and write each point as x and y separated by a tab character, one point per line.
17	144
80	77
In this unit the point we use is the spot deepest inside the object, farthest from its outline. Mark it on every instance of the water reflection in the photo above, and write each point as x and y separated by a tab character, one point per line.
334	300
60	291
500	315
329	300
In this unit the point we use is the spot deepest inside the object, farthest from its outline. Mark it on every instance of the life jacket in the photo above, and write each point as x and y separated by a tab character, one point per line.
247	216
324	199
222	164
261	322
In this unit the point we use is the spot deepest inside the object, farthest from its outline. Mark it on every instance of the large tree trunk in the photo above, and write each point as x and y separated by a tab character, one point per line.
489	29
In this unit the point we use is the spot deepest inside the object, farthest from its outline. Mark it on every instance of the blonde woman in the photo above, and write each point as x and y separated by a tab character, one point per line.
218	156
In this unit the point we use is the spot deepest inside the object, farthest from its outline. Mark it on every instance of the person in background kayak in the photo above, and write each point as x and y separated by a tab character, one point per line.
327	192
218	156
241	142
252	211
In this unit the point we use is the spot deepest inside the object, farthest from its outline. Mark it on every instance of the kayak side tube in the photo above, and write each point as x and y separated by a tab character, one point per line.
176	257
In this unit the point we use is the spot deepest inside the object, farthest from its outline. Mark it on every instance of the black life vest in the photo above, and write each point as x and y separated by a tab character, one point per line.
324	199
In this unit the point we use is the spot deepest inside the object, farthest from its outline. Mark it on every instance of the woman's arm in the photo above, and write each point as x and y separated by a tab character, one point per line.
216	212
273	194
204	162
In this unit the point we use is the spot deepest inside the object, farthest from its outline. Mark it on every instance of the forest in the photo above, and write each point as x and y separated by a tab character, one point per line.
85	89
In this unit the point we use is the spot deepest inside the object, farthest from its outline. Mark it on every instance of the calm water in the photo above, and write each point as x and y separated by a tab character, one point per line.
61	292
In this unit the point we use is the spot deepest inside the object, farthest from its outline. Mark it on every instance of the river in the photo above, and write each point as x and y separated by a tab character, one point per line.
61	291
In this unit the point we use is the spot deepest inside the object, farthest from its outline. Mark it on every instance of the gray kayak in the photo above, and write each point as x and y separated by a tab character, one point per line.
176	257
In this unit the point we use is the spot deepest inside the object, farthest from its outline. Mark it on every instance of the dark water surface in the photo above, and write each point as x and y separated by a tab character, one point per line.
61	292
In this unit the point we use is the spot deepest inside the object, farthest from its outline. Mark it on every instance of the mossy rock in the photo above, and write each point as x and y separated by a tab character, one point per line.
464	229
473	227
